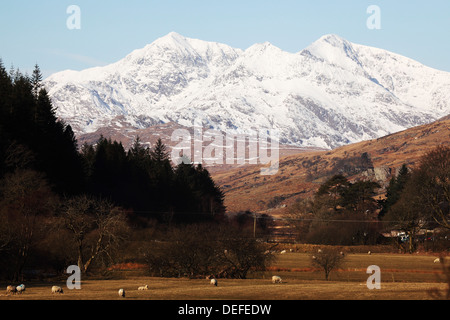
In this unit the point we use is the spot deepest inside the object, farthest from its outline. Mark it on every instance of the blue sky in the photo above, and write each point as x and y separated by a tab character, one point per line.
35	31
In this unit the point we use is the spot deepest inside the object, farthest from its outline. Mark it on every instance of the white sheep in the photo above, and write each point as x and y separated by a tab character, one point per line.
143	288
11	289
437	260
276	279
214	282
56	289
122	293
20	289
369	253
319	251
283	252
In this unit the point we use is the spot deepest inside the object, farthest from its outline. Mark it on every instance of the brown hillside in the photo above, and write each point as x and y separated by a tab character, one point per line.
300	175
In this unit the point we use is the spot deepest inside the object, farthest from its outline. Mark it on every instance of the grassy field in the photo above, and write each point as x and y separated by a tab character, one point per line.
403	277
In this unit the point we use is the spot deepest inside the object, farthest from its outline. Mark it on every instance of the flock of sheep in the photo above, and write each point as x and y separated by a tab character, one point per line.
56	289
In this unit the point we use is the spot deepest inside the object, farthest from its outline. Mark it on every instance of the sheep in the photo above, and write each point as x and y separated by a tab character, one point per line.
11	289
214	282
20	289
143	288
122	293
319	251
369	253
283	252
276	279
56	289
437	260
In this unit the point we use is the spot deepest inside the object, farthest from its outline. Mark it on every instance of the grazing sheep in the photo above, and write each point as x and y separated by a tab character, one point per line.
20	289
11	289
276	279
56	289
143	288
437	260
122	293
283	252
214	282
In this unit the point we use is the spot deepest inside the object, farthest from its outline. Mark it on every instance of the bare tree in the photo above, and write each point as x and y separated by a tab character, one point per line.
433	184
97	227
26	199
327	259
240	254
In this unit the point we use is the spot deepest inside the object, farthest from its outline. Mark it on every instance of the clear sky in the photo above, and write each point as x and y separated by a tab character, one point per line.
35	31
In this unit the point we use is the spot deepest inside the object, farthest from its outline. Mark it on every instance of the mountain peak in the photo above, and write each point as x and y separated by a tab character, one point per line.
172	38
332	39
175	35
334	50
263	47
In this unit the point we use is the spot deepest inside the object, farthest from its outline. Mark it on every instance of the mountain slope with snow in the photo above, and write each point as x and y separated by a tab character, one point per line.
332	93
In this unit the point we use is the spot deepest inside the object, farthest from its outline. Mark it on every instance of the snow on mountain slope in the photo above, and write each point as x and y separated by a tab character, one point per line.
332	93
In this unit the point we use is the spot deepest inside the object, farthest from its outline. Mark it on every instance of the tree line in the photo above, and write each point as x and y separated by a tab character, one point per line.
94	205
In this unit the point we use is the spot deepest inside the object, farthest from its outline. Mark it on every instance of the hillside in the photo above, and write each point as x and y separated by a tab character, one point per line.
300	175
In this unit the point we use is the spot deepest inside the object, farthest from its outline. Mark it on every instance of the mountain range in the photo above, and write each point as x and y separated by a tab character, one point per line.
330	94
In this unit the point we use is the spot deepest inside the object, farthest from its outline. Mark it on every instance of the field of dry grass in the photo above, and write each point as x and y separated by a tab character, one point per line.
254	289
403	277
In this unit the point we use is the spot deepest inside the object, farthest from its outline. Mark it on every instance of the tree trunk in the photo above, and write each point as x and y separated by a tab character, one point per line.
80	255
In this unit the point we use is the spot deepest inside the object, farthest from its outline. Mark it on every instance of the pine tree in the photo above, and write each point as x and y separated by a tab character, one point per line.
138	154
395	189
159	153
45	114
36	80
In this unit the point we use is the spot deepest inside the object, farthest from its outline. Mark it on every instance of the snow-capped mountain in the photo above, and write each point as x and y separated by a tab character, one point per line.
332	93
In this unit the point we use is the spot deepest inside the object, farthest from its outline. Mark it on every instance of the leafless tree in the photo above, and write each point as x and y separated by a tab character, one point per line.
97	227
26	199
433	184
327	259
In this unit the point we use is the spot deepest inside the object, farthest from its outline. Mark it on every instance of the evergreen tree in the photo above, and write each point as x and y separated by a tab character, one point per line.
159	153
334	188
395	189
359	197
36	80
45	114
